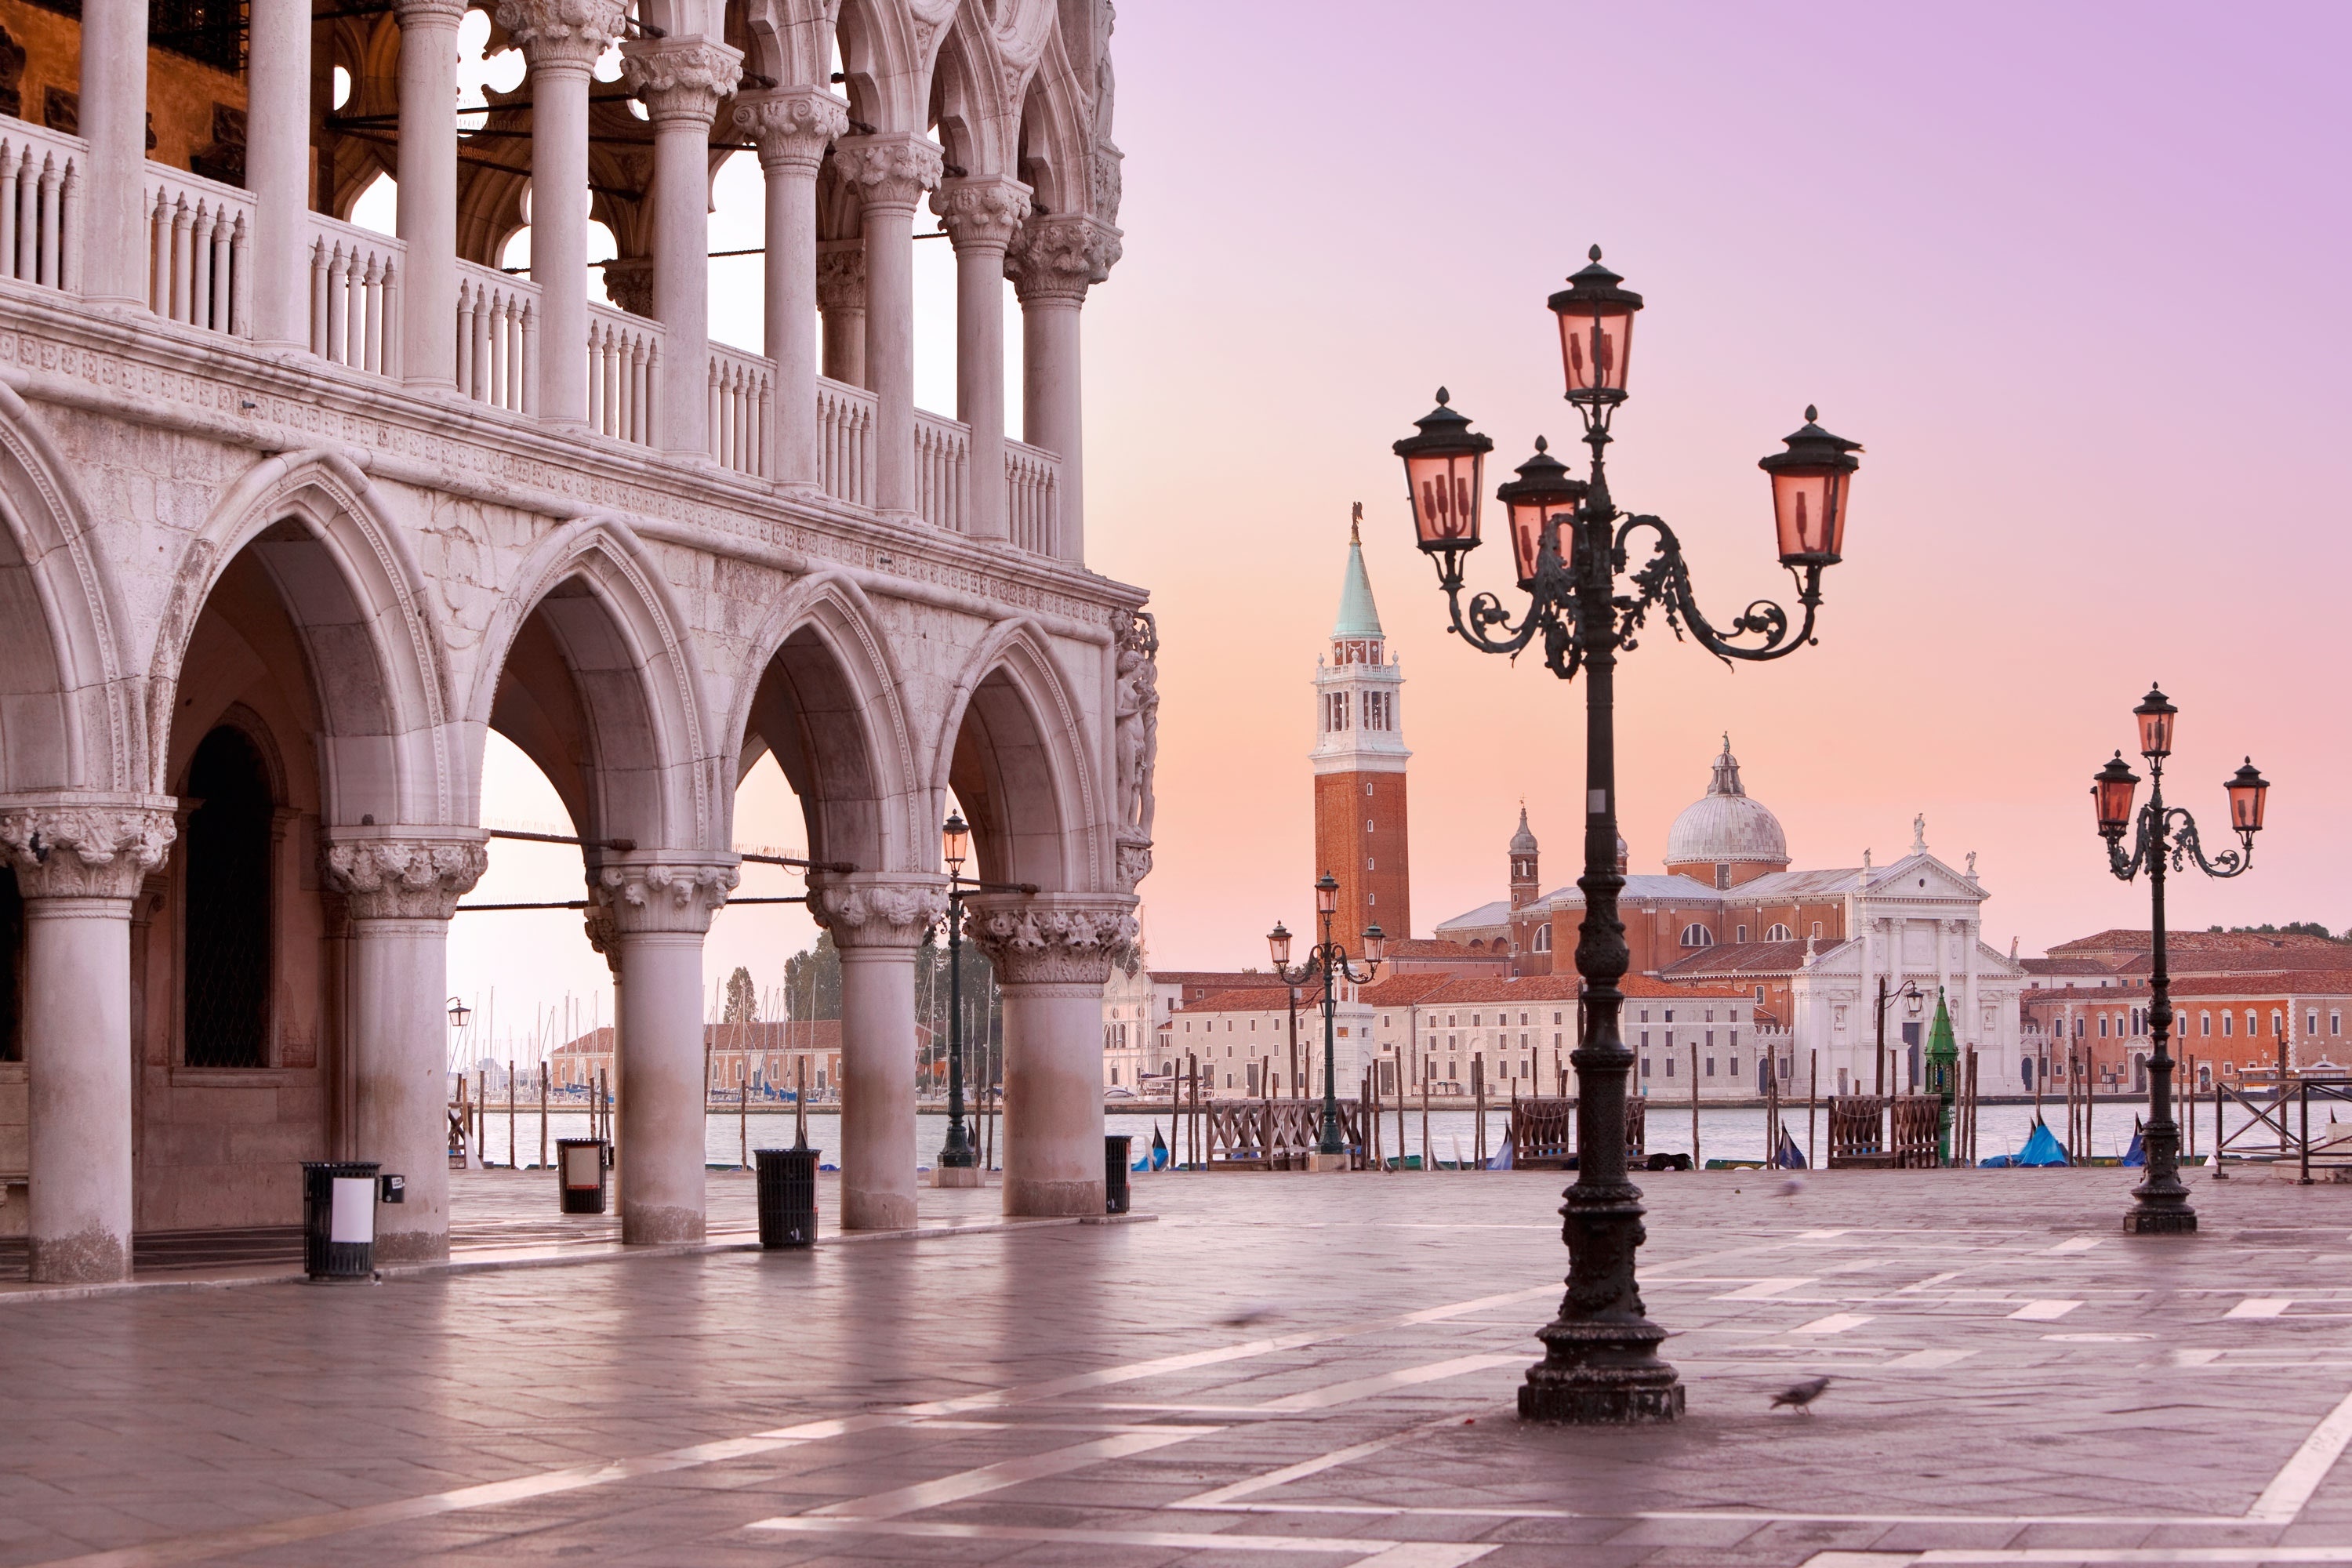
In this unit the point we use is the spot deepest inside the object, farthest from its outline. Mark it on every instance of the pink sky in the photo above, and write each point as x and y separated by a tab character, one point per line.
2074	275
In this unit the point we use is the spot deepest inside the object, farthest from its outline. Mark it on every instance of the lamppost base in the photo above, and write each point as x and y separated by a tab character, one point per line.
956	1176
1319	1161
1600	1373
2181	1220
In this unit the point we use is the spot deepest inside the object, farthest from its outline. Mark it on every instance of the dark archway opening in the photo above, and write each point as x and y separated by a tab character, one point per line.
227	973
12	968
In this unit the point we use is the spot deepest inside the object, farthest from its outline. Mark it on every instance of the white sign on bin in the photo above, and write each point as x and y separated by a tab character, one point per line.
353	1215
583	1168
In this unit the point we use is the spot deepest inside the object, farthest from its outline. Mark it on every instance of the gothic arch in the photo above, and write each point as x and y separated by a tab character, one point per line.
790	41
1014	748
979	79
589	670
1056	131
344	576
66	716
821	691
887	50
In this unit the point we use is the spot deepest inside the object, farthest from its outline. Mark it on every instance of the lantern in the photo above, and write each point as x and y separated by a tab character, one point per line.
1277	942
2248	789
955	842
1543	490
1445	469
1914	1000
2111	788
1596	333
459	1014
1376	944
1810	485
2155	714
1327	894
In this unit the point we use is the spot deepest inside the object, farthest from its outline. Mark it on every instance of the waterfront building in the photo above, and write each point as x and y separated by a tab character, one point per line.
770	1055
293	514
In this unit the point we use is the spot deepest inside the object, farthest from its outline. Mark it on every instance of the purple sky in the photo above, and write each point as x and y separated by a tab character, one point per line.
2072	274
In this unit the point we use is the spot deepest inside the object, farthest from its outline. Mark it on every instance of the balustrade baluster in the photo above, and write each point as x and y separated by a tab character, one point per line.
200	265
51	203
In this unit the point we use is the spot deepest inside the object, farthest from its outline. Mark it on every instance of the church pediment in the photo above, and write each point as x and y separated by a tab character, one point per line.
1919	877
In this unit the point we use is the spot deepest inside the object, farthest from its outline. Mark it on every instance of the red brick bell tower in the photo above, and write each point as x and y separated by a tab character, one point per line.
1360	757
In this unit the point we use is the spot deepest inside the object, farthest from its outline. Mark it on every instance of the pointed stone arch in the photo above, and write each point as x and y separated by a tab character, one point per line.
68	718
822	692
1015	749
345	577
588	669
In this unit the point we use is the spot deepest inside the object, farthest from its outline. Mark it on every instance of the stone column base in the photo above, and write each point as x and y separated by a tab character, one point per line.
1320	1161
956	1176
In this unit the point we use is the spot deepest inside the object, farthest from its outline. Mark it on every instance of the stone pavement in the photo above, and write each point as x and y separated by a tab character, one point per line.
1286	1370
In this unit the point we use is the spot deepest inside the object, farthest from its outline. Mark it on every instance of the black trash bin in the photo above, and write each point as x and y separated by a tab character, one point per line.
787	1196
339	1218
583	1174
1115	1184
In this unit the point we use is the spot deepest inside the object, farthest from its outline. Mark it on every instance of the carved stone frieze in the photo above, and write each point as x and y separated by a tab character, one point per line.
665	895
99	849
388	874
987	211
792	126
562	32
877	909
1060	256
682	79
1053	938
890	169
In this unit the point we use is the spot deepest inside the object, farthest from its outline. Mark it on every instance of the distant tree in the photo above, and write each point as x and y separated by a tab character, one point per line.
813	979
2292	927
742	1001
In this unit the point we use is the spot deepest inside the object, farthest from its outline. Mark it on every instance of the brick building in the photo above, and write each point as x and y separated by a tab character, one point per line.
1359	759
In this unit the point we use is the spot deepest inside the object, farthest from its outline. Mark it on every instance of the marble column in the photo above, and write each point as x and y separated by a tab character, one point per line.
682	80
277	168
401	888
891	171
981	216
1053	953
78	864
877	920
1053	261
841	295
792	129
562	39
661	908
426	172
113	107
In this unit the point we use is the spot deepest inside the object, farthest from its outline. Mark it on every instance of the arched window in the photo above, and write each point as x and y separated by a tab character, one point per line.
227	969
1779	933
1697	935
1543	939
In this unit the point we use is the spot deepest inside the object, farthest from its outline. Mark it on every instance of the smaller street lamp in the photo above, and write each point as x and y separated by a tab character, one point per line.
458	1013
2167	835
1328	960
955	848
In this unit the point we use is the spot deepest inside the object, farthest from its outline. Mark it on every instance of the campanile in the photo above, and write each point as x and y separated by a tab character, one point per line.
1359	758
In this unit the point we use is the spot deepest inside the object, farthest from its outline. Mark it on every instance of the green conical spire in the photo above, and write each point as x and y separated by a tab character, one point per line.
1358	617
1943	1072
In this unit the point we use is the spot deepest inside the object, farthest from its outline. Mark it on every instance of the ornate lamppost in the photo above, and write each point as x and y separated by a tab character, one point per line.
1569	548
1328	960
955	845
2166	834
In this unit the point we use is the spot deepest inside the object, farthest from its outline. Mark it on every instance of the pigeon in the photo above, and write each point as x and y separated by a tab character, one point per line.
1800	1394
1792	1186
1249	1313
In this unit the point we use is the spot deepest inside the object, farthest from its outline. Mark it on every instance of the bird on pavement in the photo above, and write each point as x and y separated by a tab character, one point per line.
1800	1394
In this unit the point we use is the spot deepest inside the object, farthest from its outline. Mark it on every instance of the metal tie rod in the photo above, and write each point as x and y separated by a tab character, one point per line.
842	868
583	903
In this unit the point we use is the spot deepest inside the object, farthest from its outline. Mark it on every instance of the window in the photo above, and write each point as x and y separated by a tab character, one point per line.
2335	1023
2204	1023
1742	931
2311	1022
1646	1065
1670	1062
1760	994
1554	1017
2225	1025
1368	862
2275	1021
1723	877
2103	1026
1710	1067
1779	933
1817	928
2251	1030
1368	789
1697	935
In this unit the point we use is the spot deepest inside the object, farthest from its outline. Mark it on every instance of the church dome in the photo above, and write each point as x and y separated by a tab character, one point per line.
1724	827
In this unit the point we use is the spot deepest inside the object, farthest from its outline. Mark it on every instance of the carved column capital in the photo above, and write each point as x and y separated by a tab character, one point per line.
682	79
86	846
429	13
560	33
877	909
985	211
792	126
403	873
840	278
1060	256
1053	938
660	894
890	169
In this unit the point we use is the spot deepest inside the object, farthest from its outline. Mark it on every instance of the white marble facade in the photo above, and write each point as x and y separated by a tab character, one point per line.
350	501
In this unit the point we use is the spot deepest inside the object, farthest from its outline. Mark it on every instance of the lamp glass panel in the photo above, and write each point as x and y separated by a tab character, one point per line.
2246	806
1808	508
1277	943
1526	535
2156	735
2114	802
1593	348
1447	488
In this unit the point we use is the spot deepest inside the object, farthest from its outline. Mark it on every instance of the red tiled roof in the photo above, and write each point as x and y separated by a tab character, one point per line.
1742	958
1403	990
1429	947
2124	940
